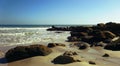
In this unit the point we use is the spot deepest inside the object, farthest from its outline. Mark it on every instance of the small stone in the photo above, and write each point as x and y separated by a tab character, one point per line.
78	60
106	55
92	62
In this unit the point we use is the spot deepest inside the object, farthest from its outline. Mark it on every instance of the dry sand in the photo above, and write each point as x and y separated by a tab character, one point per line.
90	54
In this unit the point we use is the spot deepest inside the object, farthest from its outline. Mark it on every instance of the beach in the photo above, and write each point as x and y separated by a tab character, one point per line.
12	37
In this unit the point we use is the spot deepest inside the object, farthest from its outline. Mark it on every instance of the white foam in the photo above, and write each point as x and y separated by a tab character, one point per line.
16	36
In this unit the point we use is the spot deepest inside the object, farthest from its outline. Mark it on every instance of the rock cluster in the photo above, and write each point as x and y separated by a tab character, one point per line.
100	32
21	52
66	58
93	35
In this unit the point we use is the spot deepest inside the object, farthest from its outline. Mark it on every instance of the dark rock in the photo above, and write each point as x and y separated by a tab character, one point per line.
92	62
82	45
113	46
104	36
58	32
71	39
106	55
63	60
109	34
78	60
78	34
114	27
40	50
50	45
101	44
22	52
101	25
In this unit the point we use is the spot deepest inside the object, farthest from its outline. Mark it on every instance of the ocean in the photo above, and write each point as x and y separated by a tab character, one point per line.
30	34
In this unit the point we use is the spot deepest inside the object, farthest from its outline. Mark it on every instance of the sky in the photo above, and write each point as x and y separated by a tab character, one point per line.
59	11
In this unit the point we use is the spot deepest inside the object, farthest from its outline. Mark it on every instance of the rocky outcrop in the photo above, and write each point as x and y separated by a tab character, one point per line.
113	27
21	52
93	35
50	45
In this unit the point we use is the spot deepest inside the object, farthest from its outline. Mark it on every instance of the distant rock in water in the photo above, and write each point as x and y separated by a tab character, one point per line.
22	52
50	45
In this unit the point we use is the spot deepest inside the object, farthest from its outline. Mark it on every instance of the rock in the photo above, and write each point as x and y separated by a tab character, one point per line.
92	62
63	60
69	53
58	32
50	45
106	55
40	50
101	25
101	44
104	36
82	45
77	60
78	34
113	27
71	39
109	34
22	52
113	46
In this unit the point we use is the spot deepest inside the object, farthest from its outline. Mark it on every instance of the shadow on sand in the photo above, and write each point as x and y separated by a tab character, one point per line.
3	60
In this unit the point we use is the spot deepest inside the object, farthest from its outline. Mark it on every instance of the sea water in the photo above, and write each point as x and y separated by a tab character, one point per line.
18	35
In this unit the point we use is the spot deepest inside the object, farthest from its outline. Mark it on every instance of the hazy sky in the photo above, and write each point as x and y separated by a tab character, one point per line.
59	11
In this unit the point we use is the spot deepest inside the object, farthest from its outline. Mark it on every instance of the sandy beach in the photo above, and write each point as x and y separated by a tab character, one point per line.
90	54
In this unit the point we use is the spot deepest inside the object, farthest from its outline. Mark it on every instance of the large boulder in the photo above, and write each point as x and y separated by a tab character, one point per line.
22	52
39	50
